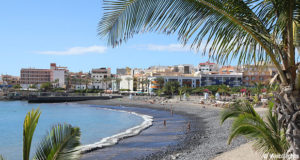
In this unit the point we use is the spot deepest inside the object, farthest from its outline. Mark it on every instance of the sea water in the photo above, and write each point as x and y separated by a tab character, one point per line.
95	123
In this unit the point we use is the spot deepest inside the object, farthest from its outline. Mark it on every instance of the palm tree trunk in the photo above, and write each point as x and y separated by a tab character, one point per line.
288	109
288	100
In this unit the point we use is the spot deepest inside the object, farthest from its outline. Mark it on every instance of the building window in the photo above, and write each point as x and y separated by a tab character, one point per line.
261	78
253	78
247	78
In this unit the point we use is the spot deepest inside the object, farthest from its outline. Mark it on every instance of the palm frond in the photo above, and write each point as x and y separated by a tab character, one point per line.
266	134
237	108
297	34
61	143
231	28
1	157
29	126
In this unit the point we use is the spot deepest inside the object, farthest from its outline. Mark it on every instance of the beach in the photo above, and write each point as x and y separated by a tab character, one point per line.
205	139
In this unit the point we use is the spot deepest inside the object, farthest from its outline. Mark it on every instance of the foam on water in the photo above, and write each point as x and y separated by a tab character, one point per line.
112	140
95	124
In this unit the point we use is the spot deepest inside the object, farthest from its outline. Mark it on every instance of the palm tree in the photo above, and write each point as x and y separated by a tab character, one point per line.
62	141
87	81
181	91
266	134
147	81
249	30
106	81
160	81
144	81
128	79
117	81
55	83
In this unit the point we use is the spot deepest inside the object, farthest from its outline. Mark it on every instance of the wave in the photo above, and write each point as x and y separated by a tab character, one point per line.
112	140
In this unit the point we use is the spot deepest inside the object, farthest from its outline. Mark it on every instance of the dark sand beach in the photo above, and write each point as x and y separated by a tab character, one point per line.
206	138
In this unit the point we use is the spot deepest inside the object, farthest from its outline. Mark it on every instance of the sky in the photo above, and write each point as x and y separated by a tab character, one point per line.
35	33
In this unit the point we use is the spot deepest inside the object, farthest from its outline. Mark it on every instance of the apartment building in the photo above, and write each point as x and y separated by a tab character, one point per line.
123	71
208	67
228	70
79	81
33	76
183	68
59	75
257	74
232	80
98	76
9	80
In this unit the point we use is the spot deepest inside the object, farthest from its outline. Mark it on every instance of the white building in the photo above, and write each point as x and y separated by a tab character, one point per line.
126	82
58	75
98	75
59	78
184	68
80	87
231	80
208	67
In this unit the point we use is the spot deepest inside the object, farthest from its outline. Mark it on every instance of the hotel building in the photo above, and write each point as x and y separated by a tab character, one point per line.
232	80
78	80
98	75
32	76
257	74
9	80
208	67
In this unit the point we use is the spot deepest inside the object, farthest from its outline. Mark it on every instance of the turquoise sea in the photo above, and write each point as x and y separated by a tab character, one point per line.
95	123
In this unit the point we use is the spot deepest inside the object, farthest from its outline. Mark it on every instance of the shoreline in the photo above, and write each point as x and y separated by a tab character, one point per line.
152	140
205	140
114	139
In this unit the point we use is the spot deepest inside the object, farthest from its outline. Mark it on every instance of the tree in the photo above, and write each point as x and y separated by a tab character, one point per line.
135	84
249	30
46	86
160	81
266	134
258	87
198	90
223	89
143	82
33	86
128	79
60	143
117	81
147	81
182	90
171	87
55	83
18	86
107	81
87	81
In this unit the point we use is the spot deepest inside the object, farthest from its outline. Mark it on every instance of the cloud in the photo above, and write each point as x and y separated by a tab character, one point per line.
168	48
77	50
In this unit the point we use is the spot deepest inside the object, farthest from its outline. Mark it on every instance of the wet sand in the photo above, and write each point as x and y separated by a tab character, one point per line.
151	140
206	138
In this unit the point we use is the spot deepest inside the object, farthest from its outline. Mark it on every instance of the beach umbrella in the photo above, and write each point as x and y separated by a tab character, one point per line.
243	90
